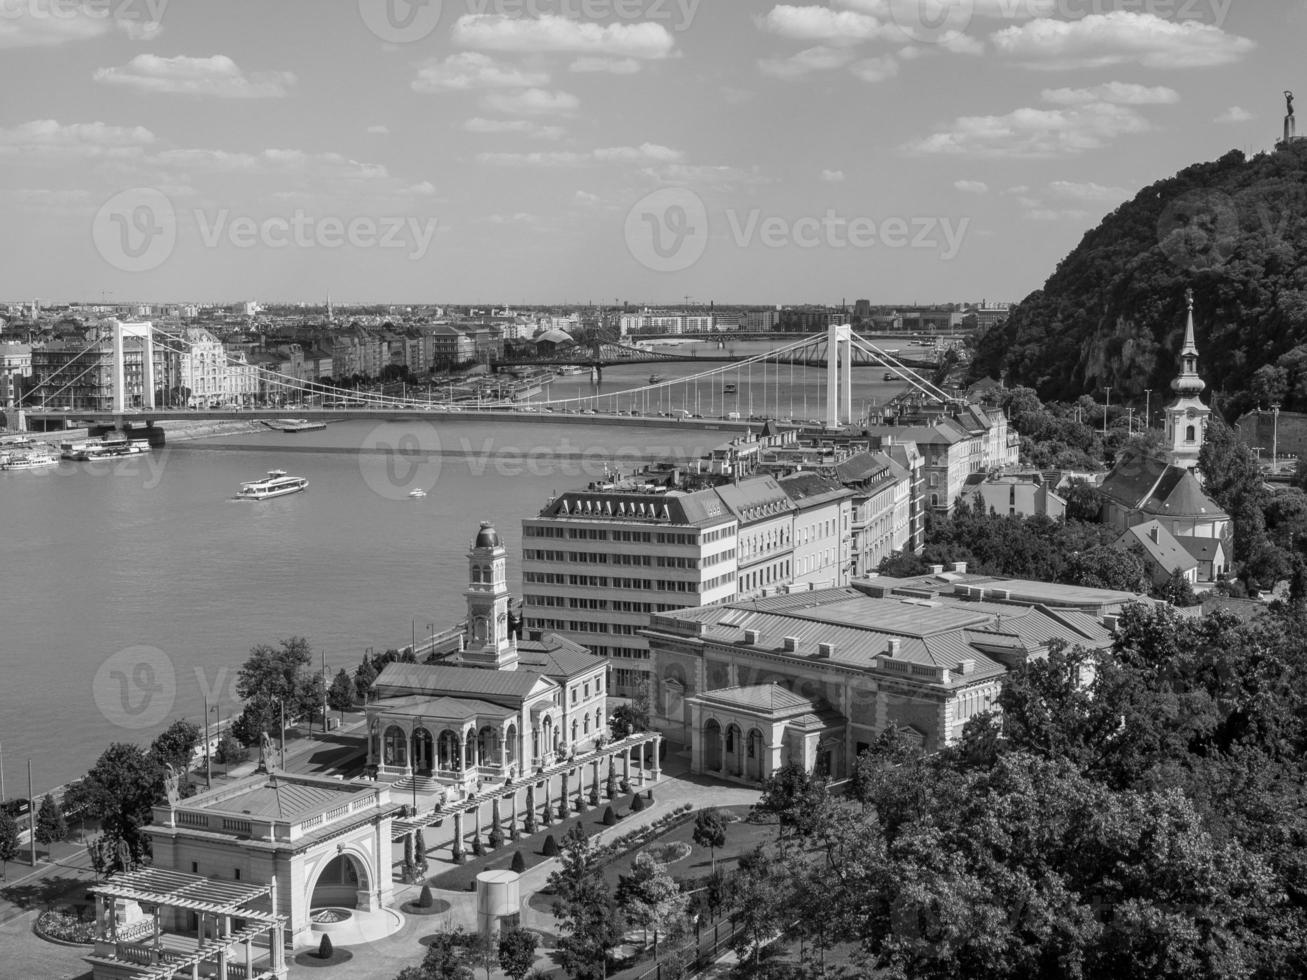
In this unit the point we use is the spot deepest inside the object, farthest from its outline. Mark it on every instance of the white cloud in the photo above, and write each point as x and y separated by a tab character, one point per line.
50	23
378	130
647	153
47	137
217	76
1088	191
1034	133
1120	37
1053	214
822	25
833	176
424	189
520	127
1117	93
611	66
550	33
472	70
959	43
806	62
532	102
585	199
520	218
876	69
1234	114
971	186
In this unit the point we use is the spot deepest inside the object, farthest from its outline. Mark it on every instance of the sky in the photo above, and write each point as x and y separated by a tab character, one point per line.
518	152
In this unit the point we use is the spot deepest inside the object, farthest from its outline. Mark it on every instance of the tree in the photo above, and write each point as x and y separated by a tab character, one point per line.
632	717
1083	502
446	957
517	952
649	897
8	841
50	824
1106	567
364	678
1177	591
710	832
584	908
120	792
519	863
230	752
342	695
325	950
760	893
483	951
272	678
175	746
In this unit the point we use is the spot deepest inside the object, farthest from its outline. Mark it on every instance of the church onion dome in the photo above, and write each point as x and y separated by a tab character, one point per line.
488	537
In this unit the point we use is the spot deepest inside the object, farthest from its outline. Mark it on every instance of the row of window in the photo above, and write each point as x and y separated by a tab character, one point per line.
763	577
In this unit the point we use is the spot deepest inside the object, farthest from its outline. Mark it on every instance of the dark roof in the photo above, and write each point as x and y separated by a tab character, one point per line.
557	656
812	488
488	537
1203	549
436	680
1132	480
1152	486
759	499
700	509
1166	551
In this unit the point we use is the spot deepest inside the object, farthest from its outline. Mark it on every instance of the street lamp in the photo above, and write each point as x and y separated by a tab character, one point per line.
1275	438
1106	406
1148	416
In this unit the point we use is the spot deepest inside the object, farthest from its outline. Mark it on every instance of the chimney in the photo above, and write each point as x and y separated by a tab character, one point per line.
825	650
936	569
1153	533
894	646
751	638
1110	622
960	567
791	643
967	667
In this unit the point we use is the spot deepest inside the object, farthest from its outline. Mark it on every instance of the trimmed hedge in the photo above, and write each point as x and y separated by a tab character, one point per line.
519	863
325	950
551	847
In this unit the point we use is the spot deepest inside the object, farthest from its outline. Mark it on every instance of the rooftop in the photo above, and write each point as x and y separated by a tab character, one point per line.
399	679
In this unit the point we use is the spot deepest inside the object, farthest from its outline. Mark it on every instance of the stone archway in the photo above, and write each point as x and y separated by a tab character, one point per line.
394	747
753	768
450	751
423	752
341	883
712	745
734	750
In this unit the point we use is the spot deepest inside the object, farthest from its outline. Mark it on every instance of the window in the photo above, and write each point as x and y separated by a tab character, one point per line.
195	867
1190	434
237	873
574	695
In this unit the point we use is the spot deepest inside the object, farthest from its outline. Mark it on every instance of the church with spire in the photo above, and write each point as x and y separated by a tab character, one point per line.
1158	502
1186	417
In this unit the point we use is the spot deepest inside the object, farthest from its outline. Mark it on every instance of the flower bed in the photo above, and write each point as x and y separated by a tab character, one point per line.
64	927
669	853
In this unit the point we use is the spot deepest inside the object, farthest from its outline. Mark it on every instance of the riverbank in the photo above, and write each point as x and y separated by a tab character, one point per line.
192	431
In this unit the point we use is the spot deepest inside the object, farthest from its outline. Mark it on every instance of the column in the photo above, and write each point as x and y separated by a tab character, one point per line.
626	766
564	794
639	760
832	377
547	817
657	772
249	957
721	741
846	365
458	836
119	401
225	932
514	834
147	369
535	749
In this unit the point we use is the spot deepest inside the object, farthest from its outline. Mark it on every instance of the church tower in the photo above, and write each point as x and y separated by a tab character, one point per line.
491	644
1186	417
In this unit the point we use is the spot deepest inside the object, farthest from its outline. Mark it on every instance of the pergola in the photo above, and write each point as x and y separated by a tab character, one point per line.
142	950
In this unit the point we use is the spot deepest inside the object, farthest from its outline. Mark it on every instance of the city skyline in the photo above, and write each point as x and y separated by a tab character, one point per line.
562	151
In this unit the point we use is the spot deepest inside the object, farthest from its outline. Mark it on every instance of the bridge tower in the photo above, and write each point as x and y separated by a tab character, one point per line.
145	333
839	375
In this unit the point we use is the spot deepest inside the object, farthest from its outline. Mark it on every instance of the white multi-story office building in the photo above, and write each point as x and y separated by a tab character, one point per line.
596	564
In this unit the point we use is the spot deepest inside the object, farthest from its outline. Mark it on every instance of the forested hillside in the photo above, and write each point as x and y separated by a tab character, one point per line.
1113	313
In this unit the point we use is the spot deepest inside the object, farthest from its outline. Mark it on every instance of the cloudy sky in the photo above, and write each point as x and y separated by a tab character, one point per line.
519	151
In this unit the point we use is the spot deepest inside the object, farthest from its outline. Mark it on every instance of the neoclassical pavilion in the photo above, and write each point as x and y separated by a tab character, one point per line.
500	707
750	732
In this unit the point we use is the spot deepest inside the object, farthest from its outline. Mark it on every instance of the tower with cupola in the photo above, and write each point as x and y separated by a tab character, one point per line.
1186	417
490	642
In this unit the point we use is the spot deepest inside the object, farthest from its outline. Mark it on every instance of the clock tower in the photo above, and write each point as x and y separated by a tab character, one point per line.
1186	417
490	642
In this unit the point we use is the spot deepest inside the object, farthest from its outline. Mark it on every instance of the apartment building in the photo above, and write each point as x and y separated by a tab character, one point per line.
766	533
823	530
881	509
596	564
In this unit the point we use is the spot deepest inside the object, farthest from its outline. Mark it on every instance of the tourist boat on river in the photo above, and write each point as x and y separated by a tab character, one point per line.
730	389
278	484
27	460
418	494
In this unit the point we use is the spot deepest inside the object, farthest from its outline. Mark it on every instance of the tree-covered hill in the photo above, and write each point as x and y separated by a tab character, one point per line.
1113	314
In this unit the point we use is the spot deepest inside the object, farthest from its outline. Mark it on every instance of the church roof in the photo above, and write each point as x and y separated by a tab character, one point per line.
1160	546
557	656
440	709
1151	486
488	537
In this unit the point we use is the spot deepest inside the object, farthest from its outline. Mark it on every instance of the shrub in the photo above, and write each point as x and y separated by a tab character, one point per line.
610	818
564	811
425	901
637	804
325	950
531	826
580	804
66	927
649	795
625	785
519	862
594	796
477	849
496	838
551	847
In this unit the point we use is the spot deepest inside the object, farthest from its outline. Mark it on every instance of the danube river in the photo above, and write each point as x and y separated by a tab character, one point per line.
134	589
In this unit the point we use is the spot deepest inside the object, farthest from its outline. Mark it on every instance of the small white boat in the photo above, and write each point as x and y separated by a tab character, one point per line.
278	484
28	461
418	493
